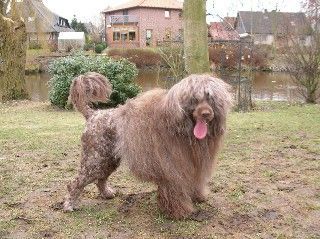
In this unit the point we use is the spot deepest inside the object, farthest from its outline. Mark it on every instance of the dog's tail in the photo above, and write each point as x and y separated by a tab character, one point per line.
88	88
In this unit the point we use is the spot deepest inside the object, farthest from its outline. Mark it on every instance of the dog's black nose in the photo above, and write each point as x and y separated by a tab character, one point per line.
206	114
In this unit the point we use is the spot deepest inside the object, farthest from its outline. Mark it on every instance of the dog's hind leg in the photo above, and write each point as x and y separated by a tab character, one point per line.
106	191
75	188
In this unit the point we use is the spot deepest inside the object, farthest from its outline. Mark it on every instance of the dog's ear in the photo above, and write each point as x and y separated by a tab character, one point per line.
173	108
219	124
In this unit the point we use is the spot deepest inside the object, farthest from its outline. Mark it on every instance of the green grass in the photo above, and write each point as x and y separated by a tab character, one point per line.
266	185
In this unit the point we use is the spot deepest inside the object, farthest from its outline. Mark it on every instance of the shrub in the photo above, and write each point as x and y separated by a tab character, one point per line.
227	56
99	48
34	45
140	57
53	46
104	44
121	74
173	57
88	46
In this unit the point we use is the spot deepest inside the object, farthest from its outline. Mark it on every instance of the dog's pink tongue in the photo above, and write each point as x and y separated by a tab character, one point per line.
200	130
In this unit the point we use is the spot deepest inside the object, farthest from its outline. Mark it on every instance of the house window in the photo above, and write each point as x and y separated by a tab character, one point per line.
149	34
167	13
132	36
125	12
116	36
180	15
167	34
62	22
180	35
148	37
124	36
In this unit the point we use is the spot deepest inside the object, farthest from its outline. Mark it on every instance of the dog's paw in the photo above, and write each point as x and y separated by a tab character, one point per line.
199	198
108	193
67	206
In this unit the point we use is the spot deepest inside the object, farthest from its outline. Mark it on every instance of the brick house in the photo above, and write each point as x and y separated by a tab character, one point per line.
141	23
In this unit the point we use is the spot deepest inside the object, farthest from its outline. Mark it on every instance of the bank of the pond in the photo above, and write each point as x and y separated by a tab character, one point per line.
266	184
266	85
149	58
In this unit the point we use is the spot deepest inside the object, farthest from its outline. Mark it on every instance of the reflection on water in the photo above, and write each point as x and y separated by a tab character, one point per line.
37	86
274	86
266	86
150	79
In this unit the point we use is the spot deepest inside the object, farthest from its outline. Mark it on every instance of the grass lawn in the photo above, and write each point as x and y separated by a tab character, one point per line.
267	184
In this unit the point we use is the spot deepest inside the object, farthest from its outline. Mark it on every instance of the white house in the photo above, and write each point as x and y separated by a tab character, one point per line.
71	40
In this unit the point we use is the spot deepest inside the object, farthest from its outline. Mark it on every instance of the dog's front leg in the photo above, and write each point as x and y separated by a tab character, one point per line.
174	202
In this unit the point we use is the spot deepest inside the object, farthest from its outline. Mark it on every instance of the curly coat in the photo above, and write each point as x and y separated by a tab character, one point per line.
169	137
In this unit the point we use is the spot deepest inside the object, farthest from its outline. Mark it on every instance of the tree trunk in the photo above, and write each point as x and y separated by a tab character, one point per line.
311	97
12	59
195	37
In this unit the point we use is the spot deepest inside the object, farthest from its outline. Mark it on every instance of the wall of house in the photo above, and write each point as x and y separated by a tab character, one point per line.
122	28
265	39
148	19
42	38
155	20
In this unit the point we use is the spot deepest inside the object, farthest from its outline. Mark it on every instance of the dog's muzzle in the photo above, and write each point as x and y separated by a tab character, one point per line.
203	114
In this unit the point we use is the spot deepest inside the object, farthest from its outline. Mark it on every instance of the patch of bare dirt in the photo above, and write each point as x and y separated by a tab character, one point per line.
130	202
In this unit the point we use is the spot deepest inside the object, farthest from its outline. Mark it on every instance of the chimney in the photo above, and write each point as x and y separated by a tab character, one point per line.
265	10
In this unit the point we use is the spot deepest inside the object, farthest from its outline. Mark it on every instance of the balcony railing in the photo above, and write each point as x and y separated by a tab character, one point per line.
123	19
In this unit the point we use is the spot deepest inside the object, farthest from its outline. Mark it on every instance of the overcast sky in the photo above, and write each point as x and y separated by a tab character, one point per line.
89	10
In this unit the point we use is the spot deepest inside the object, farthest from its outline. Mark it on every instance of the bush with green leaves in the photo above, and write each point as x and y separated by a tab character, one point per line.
99	48
121	74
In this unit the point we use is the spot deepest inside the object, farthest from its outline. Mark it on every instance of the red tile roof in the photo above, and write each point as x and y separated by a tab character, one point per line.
167	4
230	20
221	31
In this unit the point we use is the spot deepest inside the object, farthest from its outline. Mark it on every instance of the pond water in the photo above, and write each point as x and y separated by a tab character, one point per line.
266	86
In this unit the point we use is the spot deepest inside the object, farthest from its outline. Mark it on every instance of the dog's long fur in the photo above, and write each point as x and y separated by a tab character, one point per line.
153	133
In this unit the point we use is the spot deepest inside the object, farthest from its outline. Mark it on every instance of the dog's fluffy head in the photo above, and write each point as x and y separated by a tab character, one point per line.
200	103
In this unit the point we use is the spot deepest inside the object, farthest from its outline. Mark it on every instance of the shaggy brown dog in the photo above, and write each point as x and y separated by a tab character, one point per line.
169	137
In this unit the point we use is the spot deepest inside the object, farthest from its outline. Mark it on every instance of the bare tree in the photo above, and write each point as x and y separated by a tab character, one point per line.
195	36
302	53
12	52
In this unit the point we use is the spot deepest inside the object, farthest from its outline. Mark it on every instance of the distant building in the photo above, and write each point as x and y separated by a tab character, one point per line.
231	21
222	31
94	33
143	23
68	41
273	27
41	23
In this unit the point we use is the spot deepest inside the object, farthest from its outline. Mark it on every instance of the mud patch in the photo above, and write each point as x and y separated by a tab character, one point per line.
202	215
14	204
47	233
269	214
238	222
57	206
24	219
132	200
